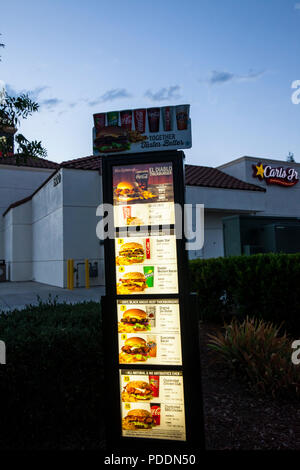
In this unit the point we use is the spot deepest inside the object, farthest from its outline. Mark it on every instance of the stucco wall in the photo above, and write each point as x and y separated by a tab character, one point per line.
82	193
17	183
47	235
18	243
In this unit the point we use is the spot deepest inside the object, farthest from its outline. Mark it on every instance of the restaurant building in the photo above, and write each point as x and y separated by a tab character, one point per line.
49	214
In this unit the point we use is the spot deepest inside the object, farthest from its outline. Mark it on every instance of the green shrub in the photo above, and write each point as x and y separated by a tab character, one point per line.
50	388
265	286
260	355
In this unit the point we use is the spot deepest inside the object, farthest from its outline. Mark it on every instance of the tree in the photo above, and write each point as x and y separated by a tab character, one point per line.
12	111
290	158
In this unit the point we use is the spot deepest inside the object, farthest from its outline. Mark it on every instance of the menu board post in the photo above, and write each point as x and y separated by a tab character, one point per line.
151	351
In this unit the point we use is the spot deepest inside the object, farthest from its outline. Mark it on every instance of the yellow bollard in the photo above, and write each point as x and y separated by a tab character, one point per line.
71	274
87	274
68	274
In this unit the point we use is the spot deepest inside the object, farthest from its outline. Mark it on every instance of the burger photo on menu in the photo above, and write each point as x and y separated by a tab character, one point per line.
112	139
130	253
126	192
137	390
134	320
135	349
131	282
138	419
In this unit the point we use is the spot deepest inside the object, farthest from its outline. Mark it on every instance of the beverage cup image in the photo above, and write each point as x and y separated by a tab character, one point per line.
153	119
155	412
126	119
149	275
142	177
154	383
140	120
167	117
113	118
126	212
99	121
152	344
182	116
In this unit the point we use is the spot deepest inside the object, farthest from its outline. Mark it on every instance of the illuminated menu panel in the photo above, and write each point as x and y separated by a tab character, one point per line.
149	332
143	194
147	263
152	404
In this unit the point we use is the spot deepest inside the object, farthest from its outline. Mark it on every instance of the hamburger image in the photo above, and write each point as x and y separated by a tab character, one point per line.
137	390
126	191
130	253
131	282
134	350
134	320
138	419
111	139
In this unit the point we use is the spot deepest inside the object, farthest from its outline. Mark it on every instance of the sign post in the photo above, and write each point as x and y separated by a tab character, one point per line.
152	360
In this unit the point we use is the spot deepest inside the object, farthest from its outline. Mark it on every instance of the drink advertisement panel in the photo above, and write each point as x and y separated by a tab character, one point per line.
149	331
142	130
146	263
143	194
152	404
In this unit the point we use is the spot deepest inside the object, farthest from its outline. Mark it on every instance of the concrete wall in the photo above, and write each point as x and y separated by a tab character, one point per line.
82	194
47	235
17	183
18	243
278	200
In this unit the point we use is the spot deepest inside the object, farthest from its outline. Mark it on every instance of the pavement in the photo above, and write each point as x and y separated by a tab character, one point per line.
17	295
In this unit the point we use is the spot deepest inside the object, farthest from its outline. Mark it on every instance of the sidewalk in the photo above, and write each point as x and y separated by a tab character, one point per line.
17	295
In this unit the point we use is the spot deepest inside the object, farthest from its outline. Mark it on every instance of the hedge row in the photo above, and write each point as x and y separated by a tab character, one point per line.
50	387
265	286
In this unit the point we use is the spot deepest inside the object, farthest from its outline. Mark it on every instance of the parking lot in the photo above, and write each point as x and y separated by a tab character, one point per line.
17	295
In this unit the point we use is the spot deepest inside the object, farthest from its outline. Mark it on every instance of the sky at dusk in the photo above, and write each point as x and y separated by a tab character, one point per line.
234	61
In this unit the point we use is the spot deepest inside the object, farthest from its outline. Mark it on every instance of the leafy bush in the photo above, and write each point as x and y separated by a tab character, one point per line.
50	388
265	286
260	355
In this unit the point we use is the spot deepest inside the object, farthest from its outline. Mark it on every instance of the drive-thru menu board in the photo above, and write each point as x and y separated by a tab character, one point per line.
152	404
143	194
146	312
149	332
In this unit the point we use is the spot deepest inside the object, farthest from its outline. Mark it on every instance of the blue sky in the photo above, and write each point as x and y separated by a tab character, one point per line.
233	60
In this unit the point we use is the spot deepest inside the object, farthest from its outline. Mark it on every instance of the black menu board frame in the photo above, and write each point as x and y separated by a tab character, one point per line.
188	321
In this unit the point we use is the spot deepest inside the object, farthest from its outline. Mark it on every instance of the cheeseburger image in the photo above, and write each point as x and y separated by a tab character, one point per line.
138	419
137	390
134	320
130	253
111	139
131	282
126	191
134	350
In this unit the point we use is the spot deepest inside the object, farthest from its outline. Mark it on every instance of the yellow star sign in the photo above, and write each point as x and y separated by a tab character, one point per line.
260	170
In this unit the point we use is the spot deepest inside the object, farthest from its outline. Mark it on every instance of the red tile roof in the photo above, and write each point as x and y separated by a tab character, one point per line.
30	162
85	163
214	178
